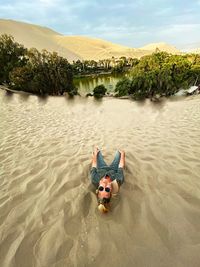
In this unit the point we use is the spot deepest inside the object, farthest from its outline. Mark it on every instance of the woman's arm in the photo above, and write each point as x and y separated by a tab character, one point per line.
122	159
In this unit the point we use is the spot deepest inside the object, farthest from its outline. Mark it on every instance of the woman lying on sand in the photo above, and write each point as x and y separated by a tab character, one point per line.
107	179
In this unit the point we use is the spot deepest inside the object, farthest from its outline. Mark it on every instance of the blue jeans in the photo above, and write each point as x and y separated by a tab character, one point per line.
114	165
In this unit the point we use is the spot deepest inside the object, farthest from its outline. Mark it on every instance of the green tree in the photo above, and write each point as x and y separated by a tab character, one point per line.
44	73
123	87
12	55
161	73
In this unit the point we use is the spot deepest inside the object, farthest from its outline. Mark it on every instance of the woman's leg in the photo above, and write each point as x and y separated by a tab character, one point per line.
100	161
114	165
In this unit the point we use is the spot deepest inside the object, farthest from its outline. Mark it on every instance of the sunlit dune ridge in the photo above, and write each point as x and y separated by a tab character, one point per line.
161	46
74	47
36	36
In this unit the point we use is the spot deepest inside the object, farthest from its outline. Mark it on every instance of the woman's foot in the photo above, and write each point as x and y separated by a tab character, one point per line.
122	152
96	150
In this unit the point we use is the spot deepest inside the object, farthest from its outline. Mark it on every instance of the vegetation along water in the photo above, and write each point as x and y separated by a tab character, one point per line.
45	73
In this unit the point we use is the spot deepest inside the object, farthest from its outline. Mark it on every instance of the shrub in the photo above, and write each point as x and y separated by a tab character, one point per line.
123	87
99	91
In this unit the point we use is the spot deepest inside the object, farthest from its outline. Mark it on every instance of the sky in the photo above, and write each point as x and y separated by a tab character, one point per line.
132	23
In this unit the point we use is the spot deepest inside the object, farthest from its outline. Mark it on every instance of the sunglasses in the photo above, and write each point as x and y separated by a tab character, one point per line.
101	188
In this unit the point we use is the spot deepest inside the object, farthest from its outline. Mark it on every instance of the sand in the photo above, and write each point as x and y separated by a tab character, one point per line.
48	209
162	47
74	47
31	35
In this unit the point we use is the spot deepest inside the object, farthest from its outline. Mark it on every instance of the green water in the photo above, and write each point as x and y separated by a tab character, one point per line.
87	84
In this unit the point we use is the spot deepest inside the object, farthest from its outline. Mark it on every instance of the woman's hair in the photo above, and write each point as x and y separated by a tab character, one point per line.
102	208
103	204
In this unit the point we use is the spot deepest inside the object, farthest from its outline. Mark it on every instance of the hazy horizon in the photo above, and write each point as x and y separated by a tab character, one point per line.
125	23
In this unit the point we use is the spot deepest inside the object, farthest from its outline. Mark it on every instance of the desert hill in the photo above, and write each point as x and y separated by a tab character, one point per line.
97	49
74	47
35	36
162	47
195	51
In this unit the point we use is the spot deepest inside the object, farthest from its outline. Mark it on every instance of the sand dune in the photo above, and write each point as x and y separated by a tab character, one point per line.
36	36
74	47
48	208
92	48
162	47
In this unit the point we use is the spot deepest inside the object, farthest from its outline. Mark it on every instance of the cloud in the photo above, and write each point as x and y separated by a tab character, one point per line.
127	22
164	11
48	2
182	36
